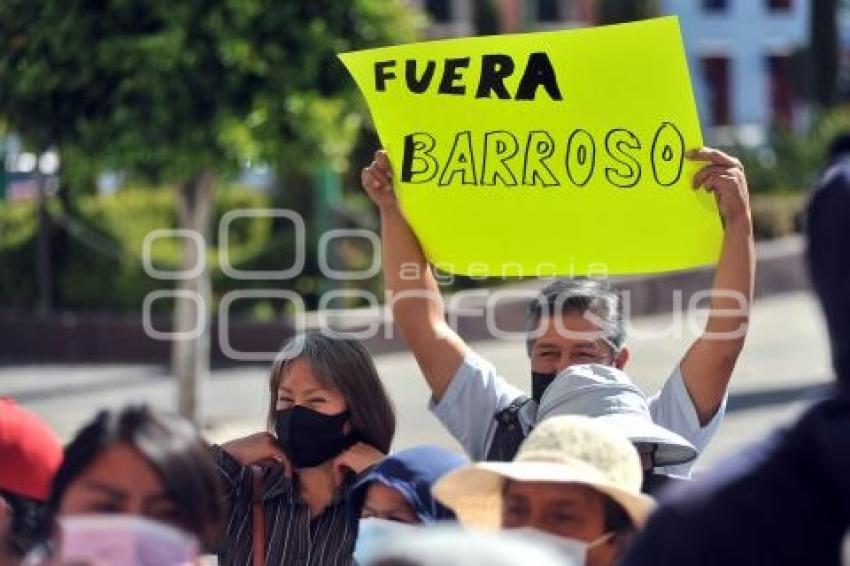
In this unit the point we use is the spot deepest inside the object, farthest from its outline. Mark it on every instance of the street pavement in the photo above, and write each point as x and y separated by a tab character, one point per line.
784	366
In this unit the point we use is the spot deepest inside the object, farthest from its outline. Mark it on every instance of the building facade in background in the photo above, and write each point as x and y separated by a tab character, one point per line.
741	55
545	15
456	18
447	18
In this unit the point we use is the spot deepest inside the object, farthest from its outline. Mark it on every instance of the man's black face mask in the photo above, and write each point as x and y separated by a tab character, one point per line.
540	381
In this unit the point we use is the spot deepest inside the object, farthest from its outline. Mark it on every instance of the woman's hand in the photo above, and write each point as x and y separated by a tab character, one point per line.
723	176
260	449
377	181
357	459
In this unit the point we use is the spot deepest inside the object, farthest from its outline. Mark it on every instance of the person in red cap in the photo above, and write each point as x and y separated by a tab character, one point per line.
30	453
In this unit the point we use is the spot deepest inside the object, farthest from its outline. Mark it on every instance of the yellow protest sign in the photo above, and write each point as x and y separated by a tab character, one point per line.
553	153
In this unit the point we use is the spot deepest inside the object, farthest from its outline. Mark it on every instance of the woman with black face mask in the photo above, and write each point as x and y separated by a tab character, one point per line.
329	420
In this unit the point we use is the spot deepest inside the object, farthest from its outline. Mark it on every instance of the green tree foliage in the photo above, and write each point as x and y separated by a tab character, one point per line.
166	88
792	161
180	92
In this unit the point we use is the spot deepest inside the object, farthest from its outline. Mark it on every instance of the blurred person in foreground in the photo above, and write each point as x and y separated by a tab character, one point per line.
136	486
575	478
787	499
452	546
30	454
288	488
571	322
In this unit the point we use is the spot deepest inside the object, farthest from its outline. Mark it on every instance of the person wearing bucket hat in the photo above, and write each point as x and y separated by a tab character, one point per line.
607	394
570	321
574	477
30	454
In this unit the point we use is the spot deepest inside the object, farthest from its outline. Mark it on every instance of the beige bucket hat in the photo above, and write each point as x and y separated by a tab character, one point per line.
608	394
562	449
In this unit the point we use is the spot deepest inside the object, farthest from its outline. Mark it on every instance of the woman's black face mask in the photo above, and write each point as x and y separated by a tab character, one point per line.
309	438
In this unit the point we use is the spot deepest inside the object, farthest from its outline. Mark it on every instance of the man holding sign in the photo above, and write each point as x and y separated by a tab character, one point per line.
468	394
552	154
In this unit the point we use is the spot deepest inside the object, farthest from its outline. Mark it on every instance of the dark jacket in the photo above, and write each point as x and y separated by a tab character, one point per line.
785	501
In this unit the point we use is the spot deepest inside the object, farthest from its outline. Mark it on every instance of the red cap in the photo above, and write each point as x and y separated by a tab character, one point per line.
30	453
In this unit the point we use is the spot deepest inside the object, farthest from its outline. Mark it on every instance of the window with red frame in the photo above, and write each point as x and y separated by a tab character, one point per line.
440	10
549	10
780	75
715	5
715	73
779	4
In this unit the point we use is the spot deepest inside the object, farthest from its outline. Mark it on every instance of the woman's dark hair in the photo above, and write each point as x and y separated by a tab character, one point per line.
28	527
170	445
346	366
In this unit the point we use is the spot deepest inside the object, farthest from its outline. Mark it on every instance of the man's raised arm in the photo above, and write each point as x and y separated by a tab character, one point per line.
417	305
708	364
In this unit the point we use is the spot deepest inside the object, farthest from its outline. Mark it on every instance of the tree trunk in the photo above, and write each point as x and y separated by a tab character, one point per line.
622	11
485	17
60	246
190	353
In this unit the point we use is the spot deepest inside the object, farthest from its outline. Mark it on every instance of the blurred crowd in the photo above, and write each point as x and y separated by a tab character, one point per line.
585	468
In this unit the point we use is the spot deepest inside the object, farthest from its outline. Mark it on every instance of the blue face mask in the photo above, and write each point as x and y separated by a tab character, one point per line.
573	551
373	534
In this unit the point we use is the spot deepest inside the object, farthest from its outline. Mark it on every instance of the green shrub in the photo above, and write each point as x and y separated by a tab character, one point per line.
98	253
776	215
18	230
792	161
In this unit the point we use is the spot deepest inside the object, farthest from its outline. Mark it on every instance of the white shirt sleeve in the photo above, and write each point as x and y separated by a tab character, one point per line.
673	408
468	407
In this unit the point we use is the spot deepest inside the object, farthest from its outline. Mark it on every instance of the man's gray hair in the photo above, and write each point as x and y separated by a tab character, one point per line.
579	295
